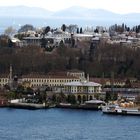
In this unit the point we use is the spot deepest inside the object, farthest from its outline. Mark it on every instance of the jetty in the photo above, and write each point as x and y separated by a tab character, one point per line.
30	106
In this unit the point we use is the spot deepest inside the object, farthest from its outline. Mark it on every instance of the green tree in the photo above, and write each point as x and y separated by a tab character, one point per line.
77	30
81	30
29	90
20	89
63	27
46	30
71	99
26	28
54	98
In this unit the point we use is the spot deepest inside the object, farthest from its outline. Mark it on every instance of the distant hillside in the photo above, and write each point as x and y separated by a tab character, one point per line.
83	13
72	12
24	11
20	15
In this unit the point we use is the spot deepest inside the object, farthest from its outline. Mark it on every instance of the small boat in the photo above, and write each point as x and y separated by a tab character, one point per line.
117	110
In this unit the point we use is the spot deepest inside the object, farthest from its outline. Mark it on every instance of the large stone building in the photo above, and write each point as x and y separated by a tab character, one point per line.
52	79
82	90
4	79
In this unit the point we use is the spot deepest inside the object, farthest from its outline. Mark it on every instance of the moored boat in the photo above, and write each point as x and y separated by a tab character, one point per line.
117	110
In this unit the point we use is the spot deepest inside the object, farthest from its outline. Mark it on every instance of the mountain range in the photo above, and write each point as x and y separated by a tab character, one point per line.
69	13
17	16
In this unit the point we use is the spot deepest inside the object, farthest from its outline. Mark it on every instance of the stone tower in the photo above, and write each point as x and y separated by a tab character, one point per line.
10	77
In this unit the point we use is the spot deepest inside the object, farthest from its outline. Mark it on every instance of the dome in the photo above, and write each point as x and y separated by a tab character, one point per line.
58	31
49	33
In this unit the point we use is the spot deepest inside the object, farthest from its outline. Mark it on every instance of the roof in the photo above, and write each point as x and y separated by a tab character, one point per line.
83	35
49	76
96	38
4	75
14	40
85	83
32	38
75	71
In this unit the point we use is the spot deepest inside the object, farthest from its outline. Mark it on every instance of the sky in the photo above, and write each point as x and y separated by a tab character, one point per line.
117	6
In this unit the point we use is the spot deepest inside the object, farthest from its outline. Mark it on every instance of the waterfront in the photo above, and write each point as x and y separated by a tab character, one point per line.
66	124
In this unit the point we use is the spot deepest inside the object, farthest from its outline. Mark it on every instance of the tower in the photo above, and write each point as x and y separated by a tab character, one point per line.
10	77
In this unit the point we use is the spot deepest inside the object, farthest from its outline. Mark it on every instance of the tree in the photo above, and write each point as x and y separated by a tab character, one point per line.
81	30
10	31
77	30
111	96
43	40
46	30
26	27
54	98
72	28
96	31
4	41
20	89
128	84
29	90
63	27
71	99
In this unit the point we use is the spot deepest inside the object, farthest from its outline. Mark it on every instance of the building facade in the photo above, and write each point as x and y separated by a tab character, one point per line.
82	90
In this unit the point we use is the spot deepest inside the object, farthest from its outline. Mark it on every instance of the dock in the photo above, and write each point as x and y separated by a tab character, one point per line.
30	106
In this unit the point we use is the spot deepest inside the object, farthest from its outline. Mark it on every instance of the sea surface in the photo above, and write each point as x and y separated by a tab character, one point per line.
66	124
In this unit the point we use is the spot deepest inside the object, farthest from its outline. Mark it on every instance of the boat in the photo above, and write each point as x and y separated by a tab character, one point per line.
117	110
93	104
88	105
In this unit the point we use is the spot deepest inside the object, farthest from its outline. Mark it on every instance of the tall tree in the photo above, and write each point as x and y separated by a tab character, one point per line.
46	30
81	30
63	27
77	30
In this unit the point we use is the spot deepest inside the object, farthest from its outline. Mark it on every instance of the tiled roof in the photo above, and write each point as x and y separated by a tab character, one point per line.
49	76
4	75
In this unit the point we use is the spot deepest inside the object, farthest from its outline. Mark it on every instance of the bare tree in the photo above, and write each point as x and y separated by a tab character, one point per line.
10	31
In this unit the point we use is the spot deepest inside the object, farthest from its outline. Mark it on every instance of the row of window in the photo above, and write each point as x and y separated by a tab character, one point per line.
51	85
50	80
78	91
3	80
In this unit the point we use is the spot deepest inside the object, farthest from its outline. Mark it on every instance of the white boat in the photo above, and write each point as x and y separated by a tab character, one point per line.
117	110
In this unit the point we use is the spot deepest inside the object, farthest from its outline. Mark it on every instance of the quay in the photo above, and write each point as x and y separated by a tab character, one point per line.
88	105
30	106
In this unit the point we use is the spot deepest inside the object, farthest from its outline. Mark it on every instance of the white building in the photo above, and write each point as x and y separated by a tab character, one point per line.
84	87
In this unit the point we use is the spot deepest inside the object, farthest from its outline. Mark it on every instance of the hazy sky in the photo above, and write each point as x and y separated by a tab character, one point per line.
118	6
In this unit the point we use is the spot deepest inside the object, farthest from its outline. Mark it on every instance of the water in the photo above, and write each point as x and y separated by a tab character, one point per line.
63	124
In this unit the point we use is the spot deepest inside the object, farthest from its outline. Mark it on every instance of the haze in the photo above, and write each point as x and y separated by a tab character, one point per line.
118	6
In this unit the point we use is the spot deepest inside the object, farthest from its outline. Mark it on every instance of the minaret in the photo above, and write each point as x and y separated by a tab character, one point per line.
87	77
10	77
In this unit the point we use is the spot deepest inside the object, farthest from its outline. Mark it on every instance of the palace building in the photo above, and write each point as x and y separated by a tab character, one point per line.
82	90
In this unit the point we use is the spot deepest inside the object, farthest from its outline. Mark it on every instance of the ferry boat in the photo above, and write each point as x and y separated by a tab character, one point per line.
117	110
